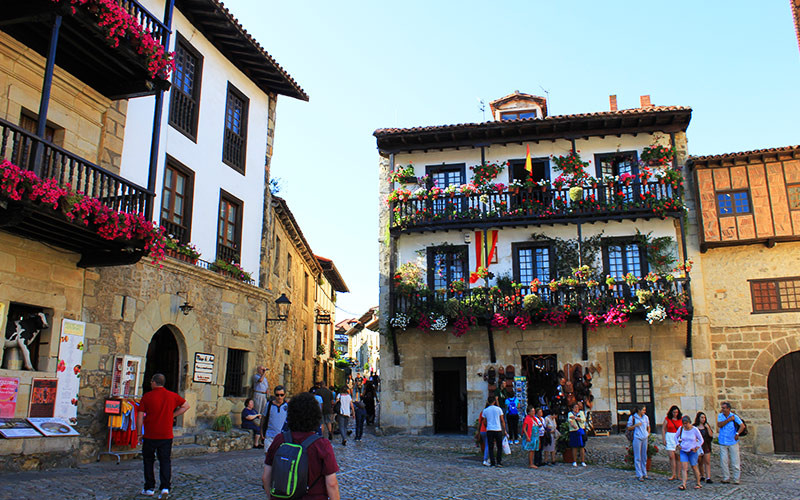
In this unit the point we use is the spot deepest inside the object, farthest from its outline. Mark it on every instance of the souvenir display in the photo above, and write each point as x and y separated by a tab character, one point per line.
53	427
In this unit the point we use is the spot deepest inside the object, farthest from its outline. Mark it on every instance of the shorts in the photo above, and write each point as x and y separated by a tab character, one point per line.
328	418
690	456
672	441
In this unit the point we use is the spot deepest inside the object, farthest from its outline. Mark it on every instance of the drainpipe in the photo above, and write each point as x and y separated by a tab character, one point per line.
44	102
685	255
392	267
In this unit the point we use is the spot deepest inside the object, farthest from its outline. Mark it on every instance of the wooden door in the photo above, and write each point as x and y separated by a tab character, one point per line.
783	385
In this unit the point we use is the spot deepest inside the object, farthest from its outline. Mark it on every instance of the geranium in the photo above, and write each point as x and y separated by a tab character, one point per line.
523	321
677	312
438	323
119	25
462	324
481	273
402	174
485	172
424	323
572	168
616	316
590	319
556	317
499	321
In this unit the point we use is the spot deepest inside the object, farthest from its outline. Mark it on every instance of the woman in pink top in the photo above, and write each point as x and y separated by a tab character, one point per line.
690	443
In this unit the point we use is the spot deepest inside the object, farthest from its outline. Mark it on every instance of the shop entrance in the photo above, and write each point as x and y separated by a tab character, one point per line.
634	383
163	356
541	371
450	395
783	384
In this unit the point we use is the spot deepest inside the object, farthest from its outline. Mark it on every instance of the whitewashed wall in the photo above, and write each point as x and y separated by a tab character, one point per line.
205	156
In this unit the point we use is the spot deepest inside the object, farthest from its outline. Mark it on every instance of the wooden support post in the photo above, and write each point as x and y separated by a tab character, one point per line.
492	353
44	102
585	342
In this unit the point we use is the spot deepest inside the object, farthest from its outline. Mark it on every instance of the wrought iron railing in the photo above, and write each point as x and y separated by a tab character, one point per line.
483	302
598	201
48	161
178	232
146	20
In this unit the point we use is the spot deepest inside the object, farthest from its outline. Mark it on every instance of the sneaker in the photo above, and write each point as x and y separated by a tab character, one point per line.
344	443
709	481
574	464
583	464
164	494
148	493
486	463
737	482
499	465
725	481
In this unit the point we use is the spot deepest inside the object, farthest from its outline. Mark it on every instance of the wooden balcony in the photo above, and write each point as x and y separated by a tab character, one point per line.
534	206
83	51
43	223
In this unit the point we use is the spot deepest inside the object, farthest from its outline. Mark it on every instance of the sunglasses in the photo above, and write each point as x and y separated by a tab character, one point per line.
280	395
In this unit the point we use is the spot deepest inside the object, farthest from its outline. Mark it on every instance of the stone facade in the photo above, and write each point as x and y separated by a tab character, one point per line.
85	122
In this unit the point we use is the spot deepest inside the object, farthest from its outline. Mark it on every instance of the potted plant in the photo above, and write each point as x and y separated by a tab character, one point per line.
562	442
652	450
231	269
181	251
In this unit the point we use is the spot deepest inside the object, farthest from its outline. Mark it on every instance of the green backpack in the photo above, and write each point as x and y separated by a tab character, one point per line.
290	468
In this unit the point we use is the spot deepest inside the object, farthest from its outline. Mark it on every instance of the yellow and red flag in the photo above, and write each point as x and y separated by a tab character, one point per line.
528	163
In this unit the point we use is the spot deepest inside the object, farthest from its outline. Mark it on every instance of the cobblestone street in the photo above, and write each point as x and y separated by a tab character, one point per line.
406	467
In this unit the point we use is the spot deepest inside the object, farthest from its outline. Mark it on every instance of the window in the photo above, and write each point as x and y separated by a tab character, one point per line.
733	203
288	269
275	269
518	115
540	169
229	229
305	288
234	144
532	261
793	190
775	295
176	200
616	164
624	256
29	121
235	373
184	103
442	176
445	265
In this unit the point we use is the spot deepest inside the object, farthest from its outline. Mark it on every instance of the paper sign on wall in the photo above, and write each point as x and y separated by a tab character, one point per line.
9	387
203	367
43	397
68	370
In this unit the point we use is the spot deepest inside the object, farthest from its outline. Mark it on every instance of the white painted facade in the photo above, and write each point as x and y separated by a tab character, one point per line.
205	156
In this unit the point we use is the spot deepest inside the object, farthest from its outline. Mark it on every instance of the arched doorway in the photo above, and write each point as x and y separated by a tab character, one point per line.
783	385
163	356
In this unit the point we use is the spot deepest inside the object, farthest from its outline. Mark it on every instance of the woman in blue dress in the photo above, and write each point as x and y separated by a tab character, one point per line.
530	436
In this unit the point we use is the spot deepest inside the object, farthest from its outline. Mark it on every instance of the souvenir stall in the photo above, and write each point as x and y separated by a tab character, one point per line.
121	407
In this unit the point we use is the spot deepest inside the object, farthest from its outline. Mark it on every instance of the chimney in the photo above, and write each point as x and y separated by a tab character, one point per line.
612	102
645	101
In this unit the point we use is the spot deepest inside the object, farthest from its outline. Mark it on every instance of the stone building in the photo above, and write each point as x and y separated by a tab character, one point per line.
205	323
328	286
749	229
363	343
488	224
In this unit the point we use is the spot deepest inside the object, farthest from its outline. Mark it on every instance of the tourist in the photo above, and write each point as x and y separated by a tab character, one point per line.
368	396
669	430
249	417
484	438
495	430
550	438
707	432
512	419
530	436
274	416
361	418
640	424
538	424
690	444
304	418
327	407
577	434
729	443
260	389
346	410
156	412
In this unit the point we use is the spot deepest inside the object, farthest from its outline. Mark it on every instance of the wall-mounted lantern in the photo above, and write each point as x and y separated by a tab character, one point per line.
282	304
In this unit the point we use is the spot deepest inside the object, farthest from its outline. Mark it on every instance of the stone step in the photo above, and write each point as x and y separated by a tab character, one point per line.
183	439
189	450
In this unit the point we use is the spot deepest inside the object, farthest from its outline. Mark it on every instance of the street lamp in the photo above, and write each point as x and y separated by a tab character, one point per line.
282	304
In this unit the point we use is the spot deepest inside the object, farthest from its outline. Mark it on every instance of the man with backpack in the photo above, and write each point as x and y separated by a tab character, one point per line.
274	418
730	428
299	464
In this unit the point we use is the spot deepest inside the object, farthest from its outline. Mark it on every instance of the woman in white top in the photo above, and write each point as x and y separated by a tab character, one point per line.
346	410
640	424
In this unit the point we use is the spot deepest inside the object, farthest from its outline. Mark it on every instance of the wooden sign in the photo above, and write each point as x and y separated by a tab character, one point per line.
203	367
113	407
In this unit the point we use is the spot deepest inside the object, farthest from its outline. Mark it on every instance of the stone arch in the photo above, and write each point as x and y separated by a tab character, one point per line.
767	358
164	312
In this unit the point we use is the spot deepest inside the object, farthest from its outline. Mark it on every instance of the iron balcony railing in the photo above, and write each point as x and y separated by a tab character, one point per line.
610	200
146	20
483	302
48	161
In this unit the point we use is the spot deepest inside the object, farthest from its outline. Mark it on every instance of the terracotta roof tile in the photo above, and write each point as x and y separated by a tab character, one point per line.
743	154
796	14
598	114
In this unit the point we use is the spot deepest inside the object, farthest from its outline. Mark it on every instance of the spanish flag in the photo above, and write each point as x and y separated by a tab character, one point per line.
528	163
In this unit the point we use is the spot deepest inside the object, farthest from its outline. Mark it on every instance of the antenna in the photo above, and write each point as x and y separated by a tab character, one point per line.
482	108
547	93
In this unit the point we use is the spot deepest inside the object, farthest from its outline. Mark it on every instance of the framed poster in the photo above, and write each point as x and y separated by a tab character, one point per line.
9	387
203	367
43	397
11	428
53	427
68	370
125	376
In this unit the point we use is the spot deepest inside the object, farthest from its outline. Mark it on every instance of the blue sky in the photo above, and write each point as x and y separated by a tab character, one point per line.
368	65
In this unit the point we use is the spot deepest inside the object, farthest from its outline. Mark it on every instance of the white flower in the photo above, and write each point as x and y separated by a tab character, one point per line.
656	315
438	323
400	320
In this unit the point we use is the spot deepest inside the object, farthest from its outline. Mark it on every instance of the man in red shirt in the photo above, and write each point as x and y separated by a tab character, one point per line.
156	411
304	416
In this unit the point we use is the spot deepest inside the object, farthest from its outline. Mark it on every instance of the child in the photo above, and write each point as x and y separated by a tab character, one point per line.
530	436
361	417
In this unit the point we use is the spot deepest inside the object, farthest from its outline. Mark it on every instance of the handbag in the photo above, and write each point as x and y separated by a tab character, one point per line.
506	446
547	439
629	432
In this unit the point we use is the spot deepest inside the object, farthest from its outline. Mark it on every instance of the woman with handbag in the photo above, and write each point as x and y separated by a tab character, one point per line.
577	434
701	424
549	439
669	431
530	436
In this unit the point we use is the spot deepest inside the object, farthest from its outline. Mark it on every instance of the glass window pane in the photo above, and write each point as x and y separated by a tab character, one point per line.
180	184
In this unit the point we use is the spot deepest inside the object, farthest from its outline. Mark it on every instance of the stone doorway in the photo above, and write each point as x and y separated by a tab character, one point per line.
450	395
783	385
163	356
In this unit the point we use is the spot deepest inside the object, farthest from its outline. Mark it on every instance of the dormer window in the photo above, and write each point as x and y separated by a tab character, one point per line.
518	115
